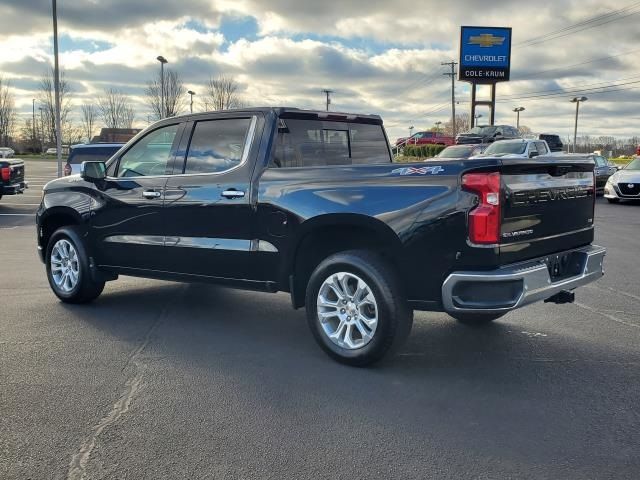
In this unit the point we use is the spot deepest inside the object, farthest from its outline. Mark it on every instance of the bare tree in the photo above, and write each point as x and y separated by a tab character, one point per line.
46	97
115	109
174	92
463	124
89	117
222	94
7	113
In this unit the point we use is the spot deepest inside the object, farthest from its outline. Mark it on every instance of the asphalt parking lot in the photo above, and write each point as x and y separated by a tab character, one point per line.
164	380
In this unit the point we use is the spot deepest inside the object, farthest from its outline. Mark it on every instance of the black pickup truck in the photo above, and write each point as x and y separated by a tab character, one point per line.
11	177
310	203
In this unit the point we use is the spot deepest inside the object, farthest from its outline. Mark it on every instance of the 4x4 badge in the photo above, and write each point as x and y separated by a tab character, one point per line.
418	170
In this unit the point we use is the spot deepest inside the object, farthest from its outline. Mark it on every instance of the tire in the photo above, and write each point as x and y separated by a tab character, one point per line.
65	245
476	319
613	200
381	298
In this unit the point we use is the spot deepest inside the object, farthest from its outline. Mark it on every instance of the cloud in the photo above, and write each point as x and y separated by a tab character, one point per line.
378	56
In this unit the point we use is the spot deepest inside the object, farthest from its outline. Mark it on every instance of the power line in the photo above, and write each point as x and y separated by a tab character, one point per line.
564	89
583	25
603	89
595	60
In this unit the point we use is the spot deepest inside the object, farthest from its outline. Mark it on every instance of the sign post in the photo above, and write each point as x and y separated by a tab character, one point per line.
485	59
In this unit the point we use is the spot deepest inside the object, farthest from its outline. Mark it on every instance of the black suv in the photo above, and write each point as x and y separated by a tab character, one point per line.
487	134
554	142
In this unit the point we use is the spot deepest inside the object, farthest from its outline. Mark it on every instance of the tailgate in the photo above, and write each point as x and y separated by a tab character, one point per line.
548	206
17	171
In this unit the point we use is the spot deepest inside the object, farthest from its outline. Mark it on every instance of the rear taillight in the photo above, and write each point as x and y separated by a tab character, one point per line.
484	219
6	173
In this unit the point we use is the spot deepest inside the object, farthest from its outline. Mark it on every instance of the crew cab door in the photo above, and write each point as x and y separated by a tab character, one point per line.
208	211
127	225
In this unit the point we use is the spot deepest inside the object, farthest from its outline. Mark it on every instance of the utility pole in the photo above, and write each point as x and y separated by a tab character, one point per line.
452	74
56	82
327	93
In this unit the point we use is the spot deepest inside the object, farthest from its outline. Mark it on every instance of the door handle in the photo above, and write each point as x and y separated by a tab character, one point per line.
151	194
233	193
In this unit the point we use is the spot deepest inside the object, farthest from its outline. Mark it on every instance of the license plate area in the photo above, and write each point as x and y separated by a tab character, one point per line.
564	265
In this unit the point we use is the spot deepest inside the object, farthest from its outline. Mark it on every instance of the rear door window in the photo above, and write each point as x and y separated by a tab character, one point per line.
542	149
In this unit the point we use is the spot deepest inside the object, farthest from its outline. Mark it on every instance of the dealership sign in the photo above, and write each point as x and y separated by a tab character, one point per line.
485	54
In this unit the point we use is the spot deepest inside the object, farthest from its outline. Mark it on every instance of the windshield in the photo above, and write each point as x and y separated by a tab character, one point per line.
503	148
482	130
456	152
633	165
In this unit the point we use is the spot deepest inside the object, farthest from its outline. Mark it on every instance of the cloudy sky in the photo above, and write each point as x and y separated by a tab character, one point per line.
379	56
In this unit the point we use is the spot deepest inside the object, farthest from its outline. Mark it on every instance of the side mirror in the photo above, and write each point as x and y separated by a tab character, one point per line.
93	171
533	154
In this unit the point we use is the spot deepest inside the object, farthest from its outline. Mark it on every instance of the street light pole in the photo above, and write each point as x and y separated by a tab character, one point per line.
56	82
577	101
162	61
518	110
191	93
33	124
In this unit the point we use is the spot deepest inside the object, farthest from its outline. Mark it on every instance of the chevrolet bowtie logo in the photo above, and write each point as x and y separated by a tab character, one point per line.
486	40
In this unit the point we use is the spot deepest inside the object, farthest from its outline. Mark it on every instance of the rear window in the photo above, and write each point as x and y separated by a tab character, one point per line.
457	152
506	148
97	154
315	143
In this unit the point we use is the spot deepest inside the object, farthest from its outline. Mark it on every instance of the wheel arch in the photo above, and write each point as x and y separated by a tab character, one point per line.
327	234
54	218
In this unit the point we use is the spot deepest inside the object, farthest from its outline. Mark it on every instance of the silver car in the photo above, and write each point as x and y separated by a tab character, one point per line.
624	184
6	152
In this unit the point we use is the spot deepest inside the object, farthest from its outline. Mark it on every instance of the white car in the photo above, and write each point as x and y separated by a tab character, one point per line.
6	152
51	151
516	148
624	184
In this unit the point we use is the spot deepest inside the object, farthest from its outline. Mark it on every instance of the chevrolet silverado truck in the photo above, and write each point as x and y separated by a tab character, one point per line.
311	203
11	177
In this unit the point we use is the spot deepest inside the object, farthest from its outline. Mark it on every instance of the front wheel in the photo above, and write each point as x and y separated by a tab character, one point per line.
356	308
68	267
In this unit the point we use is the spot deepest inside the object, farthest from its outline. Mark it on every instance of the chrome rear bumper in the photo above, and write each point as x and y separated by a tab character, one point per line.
517	285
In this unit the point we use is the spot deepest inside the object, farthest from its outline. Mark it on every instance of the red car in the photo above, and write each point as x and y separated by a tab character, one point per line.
426	138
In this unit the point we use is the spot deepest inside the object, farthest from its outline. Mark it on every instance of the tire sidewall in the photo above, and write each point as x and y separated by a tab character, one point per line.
387	316
71	235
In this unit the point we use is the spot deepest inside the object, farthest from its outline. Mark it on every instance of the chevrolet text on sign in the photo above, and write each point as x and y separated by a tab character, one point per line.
485	54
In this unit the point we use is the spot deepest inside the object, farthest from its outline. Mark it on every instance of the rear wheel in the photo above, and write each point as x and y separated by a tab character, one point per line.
476	319
68	269
356	309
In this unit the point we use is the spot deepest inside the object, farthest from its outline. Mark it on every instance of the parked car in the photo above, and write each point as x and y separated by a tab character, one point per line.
6	152
11	177
553	141
518	148
460	151
278	199
426	138
603	170
89	152
487	134
624	184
